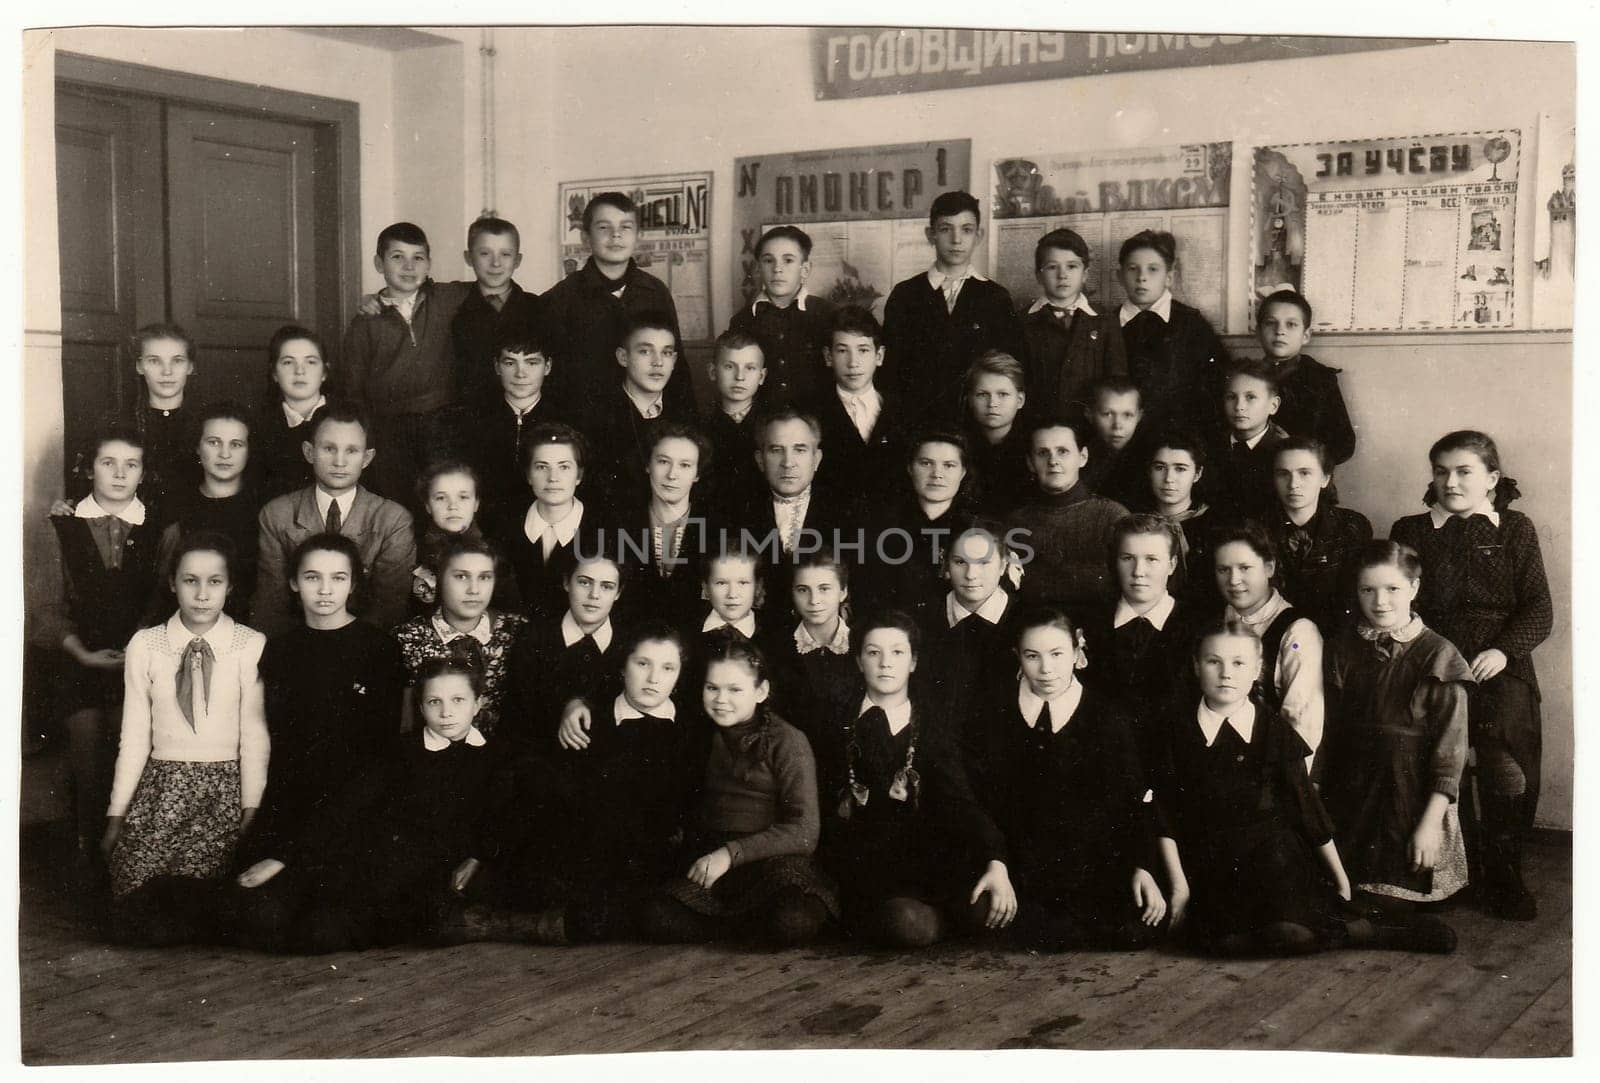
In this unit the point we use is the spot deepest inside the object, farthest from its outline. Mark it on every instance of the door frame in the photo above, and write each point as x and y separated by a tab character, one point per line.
337	152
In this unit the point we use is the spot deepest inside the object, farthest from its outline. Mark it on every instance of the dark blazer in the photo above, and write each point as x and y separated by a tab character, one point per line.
491	434
928	347
1177	365
276	458
1312	405
824	515
380	528
868	470
792	341
619	443
476	328
1238	484
1068	354
732	478
1001	478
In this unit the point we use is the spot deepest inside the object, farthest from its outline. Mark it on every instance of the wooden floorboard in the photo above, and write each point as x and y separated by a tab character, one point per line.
1507	991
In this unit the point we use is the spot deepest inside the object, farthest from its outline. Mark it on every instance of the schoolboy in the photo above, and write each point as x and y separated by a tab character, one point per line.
862	426
1119	450
1065	523
339	451
790	324
621	415
1177	473
997	434
400	363
1312	402
937	322
494	252
1070	345
589	310
496	423
737	368
1241	477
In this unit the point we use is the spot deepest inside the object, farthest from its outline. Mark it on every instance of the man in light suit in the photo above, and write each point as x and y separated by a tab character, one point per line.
335	502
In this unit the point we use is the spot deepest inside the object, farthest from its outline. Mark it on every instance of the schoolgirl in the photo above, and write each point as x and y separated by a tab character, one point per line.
448	493
1177	468
224	501
995	393
1314	535
298	368
163	356
815	658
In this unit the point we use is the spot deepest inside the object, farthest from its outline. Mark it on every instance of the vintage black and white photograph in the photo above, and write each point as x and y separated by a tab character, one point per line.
577	539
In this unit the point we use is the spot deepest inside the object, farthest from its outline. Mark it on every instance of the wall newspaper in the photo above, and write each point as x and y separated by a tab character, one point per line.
674	238
1108	196
1411	234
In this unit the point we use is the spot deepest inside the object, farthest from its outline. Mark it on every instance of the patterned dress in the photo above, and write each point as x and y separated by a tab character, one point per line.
487	646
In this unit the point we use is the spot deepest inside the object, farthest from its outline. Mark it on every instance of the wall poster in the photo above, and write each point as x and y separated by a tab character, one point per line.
1106	196
865	208
674	237
1410	234
1555	221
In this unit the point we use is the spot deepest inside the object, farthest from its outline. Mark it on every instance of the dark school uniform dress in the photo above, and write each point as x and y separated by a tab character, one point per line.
928	346
1068	352
1484	586
109	567
171	468
1311	404
861	471
1314	561
806	675
901	567
1077	814
930	845
666	564
1247	823
234	517
1238	483
998	475
476	329
491	433
277	458
487	647
966	656
588	314
792	340
1142	661
1195	579
541	562
1175	362
1068	533
732	479
1397	735
551	662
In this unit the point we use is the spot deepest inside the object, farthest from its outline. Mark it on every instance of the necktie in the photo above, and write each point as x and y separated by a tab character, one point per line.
1044	725
497	301
786	509
950	288
194	694
874	716
858	414
334	520
1298	542
467	649
1239	451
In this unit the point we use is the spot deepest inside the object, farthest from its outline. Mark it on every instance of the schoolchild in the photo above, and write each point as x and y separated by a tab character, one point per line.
937	323
223	502
340	449
1256	867
863	427
790	325
1240	482
623	414
1313	405
997	432
748	850
1246	563
733	595
1119	450
299	368
590	310
666	536
497	306
496	425
108	565
1397	737
1177	471
1071	346
449	489
1173	353
1063	778
192	762
540	547
164	358
738	369
465	625
791	515
1484	589
1065	523
812	658
399	361
1314	535
913	852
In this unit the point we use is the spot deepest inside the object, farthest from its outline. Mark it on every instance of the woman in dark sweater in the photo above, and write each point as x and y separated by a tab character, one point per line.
1173	353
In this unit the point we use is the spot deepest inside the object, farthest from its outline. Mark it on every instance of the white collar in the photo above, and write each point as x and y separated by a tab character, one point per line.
1158	615
526	410
89	508
1062	708
869	396
534	526
1162	308
219	636
799	300
738	418
1080	305
802	499
839	644
295	418
435	742
936	277
1253	441
483	631
1404	634
622	710
992	609
899	717
745	624
325	498
1485	509
1242	718
644	407
571	633
1263	616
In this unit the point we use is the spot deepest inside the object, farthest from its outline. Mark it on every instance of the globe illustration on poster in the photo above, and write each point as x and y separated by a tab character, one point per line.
1497	150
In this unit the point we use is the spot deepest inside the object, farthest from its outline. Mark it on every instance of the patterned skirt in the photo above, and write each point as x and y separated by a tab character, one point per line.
1449	870
183	821
751	888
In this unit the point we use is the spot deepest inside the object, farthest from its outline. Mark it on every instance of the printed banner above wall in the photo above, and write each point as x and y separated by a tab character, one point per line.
1106	196
858	62
865	208
1413	234
674	237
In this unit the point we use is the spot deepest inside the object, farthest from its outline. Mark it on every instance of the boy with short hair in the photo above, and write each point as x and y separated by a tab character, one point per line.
494	252
1071	346
588	311
996	392
496	423
862	427
621	416
1120	447
1312	403
790	324
937	322
339	451
399	363
738	369
1242	477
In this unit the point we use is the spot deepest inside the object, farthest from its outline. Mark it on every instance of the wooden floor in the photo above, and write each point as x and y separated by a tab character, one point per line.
1506	992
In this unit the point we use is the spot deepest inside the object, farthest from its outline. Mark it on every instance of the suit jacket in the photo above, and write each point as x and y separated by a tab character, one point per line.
870	470
380	528
792	340
1067	355
928	347
823	515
